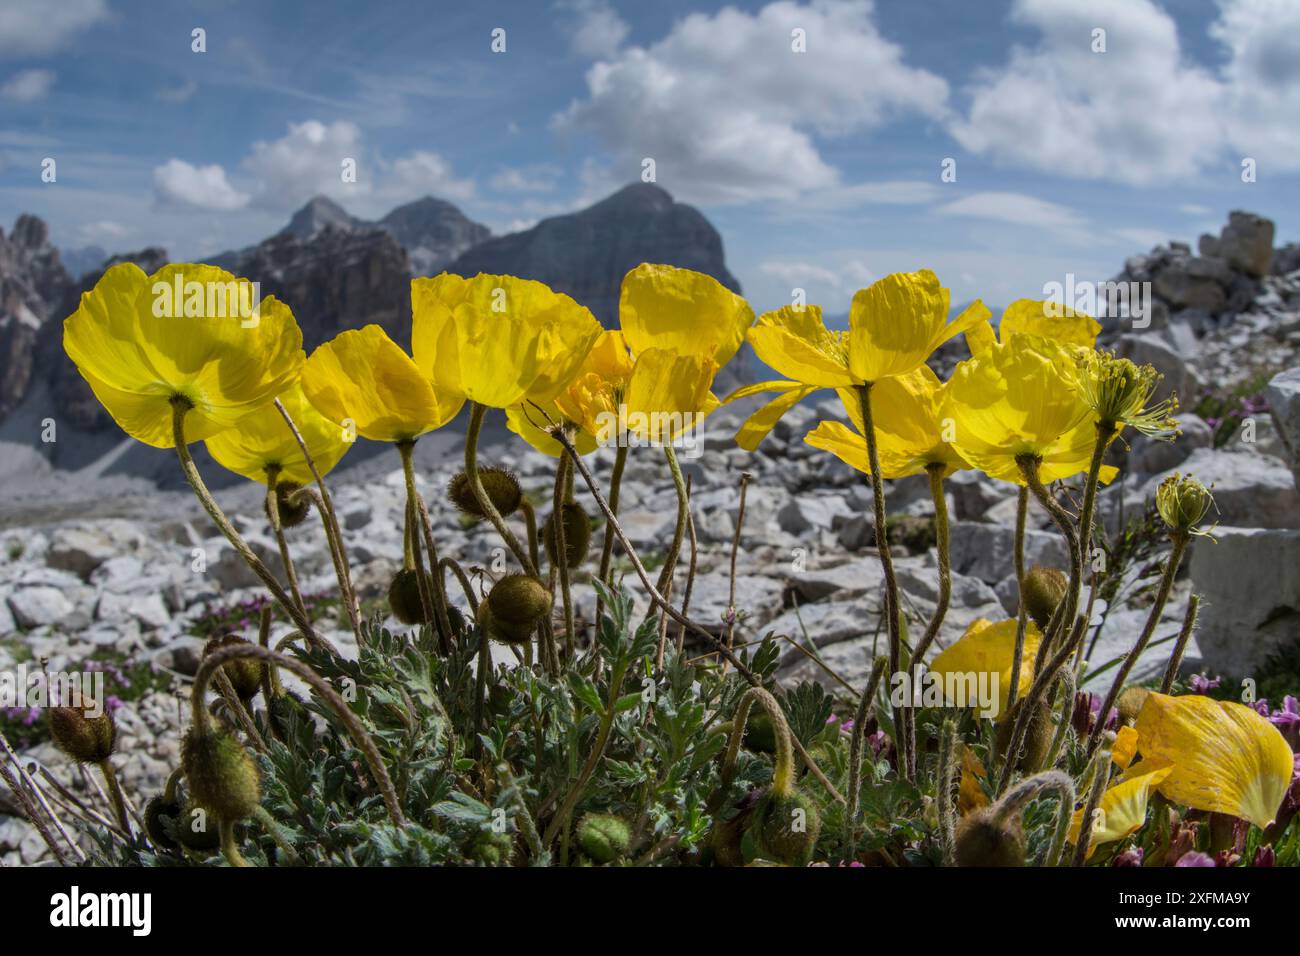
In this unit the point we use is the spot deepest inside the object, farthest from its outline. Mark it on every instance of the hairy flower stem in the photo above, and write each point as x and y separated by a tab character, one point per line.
229	845
562	495
945	783
1100	776
1029	468
690	571
1185	635
277	527
263	816
940	607
180	406
1067	685
1179	540
607	549
420	525
1022	612
333	532
856	738
1106	432
666	607
360	736
892	605
783	767
675	548
485	504
745	478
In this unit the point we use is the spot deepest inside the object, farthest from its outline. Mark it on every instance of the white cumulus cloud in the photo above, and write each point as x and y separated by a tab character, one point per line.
37	27
595	28
728	110
176	182
28	86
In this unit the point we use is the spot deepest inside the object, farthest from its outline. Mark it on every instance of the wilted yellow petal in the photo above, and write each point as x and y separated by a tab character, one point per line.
1225	757
663	307
188	330
1121	811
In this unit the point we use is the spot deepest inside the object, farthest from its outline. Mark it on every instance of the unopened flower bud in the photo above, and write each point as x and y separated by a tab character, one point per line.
577	534
220	774
502	489
514	608
83	738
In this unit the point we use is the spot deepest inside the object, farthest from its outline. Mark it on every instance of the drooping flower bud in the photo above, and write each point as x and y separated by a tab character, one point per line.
502	489
155	812
603	836
404	596
245	673
577	534
220	774
293	510
1044	589
786	827
985	840
514	608
82	737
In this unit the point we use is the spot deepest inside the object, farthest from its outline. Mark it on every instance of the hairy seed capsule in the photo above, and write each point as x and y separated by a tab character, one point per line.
1044	589
82	737
577	534
1129	704
785	828
514	608
155	812
196	830
1038	736
760	735
983	841
245	673
404	596
603	836
222	777
292	513
502	489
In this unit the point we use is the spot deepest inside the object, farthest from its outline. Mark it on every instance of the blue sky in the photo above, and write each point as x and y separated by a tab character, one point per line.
821	169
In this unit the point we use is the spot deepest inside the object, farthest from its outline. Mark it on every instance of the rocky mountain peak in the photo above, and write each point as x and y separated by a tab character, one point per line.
319	213
433	232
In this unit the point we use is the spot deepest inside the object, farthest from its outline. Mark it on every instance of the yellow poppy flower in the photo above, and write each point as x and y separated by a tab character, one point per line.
690	313
1121	811
497	340
986	649
895	324
1019	400
188	330
1224	757
1046	320
263	440
970	793
909	429
796	343
363	377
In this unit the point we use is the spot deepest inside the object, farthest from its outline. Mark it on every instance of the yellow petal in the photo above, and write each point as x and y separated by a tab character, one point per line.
498	339
668	394
970	795
1125	747
193	331
760	423
1225	757
1122	809
363	377
1048	320
530	421
797	344
263	440
987	650
663	307
893	324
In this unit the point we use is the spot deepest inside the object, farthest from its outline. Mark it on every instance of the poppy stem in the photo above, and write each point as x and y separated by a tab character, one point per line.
115	795
277	527
180	406
941	602
865	704
472	434
947	779
1100	777
562	469
333	532
1063	622
1176	659
892	606
607	549
1022	613
1179	540
675	548
229	846
690	574
419	515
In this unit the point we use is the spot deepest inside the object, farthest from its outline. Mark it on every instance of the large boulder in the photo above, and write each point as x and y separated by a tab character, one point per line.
1246	242
1249	581
1178	377
1283	397
1149	456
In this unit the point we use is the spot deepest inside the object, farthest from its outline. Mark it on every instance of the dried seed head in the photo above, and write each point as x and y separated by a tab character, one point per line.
514	608
292	512
577	534
603	836
502	489
220	774
82	737
1044	589
404	596
983	840
1129	703
786	827
245	673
